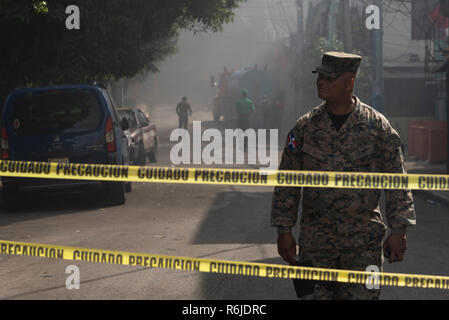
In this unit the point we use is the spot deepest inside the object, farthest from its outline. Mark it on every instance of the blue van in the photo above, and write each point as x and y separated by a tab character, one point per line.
69	123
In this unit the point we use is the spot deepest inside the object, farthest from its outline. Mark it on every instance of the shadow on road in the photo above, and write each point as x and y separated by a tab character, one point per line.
237	217
39	291
51	202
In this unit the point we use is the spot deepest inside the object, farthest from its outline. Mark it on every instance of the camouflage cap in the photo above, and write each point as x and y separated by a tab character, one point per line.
334	64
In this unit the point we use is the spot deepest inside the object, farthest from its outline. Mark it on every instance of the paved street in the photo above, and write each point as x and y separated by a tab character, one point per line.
222	222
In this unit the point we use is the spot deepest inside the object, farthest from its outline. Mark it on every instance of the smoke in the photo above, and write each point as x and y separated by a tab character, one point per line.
242	44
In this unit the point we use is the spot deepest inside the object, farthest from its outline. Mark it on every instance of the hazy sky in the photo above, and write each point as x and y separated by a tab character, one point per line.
256	25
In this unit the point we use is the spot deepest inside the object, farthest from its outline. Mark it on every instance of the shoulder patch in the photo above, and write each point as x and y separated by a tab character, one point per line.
291	141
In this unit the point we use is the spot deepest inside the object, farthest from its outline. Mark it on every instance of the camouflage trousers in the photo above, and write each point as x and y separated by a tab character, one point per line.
354	259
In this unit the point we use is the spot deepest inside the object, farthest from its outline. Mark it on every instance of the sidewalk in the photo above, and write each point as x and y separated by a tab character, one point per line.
414	166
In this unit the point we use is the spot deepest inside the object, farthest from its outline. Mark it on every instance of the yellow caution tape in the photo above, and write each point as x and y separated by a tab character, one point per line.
221	266
218	176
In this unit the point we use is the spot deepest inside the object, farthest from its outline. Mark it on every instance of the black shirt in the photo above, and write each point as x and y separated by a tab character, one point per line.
338	119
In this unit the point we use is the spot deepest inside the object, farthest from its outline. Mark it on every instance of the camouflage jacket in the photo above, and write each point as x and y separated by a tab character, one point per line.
333	218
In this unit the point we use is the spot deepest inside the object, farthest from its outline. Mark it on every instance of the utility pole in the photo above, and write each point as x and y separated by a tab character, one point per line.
332	19
299	41
378	74
347	25
300	25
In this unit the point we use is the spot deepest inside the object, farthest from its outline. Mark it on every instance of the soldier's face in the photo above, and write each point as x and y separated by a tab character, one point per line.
334	89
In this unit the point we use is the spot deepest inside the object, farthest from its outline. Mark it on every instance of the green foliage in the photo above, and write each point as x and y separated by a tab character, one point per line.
117	38
40	6
323	45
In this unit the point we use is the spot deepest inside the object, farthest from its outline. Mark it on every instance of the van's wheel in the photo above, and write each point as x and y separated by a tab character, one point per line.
115	193
152	155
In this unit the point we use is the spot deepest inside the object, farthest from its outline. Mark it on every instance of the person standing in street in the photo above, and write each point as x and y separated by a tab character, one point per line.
183	110
341	228
245	107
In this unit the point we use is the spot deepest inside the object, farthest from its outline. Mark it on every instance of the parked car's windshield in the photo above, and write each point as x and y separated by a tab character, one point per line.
53	112
129	115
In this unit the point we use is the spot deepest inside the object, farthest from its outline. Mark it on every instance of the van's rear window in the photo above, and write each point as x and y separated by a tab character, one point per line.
53	112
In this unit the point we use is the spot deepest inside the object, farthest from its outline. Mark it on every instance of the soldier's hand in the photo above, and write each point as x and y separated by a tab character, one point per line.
396	244
287	248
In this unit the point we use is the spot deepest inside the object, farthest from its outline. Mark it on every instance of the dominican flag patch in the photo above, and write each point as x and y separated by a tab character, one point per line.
292	143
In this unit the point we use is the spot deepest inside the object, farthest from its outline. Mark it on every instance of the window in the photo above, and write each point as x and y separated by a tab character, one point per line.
54	112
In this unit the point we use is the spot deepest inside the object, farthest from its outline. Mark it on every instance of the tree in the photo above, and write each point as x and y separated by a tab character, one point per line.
117	38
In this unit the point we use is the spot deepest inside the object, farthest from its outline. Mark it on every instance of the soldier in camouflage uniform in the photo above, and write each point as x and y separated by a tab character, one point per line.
341	228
